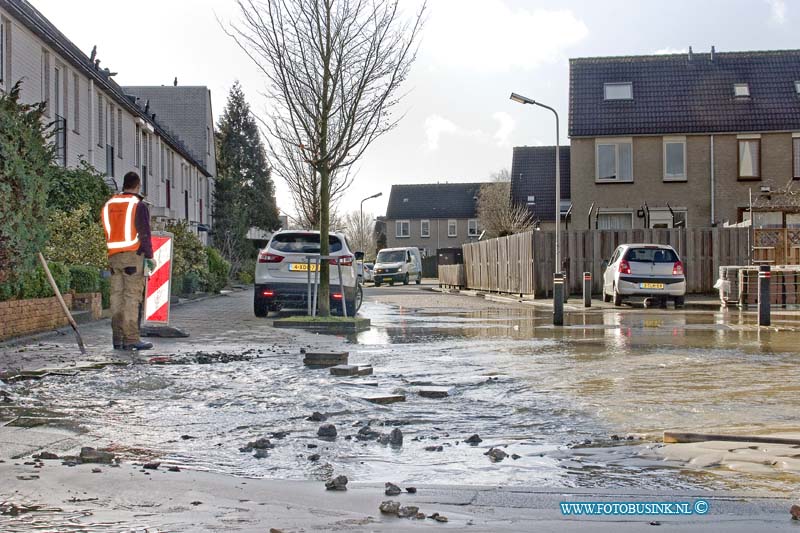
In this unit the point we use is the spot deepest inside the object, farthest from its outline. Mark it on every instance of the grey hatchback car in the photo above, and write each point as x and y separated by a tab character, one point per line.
648	270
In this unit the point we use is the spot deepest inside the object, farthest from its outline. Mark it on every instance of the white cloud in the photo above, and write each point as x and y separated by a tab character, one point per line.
668	50
435	127
504	129
488	35
777	10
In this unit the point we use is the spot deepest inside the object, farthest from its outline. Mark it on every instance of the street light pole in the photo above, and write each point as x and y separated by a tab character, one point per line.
558	274
361	219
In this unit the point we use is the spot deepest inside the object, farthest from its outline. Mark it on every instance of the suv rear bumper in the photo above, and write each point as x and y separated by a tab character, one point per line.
295	295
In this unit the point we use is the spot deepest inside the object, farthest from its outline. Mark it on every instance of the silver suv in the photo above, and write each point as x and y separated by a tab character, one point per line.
649	270
282	273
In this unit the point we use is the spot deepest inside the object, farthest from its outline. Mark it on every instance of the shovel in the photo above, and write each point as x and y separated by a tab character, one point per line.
63	304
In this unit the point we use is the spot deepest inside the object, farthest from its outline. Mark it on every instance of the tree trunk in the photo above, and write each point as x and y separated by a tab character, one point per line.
324	300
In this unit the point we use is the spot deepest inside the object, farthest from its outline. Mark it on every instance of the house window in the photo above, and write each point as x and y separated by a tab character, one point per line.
2	50
796	157
208	140
57	92
150	155
797	87
472	227
741	90
614	161
76	104
111	125
119	133
615	220
101	131
618	91
749	159
402	229
452	228
663	218
137	156
674	159
162	162
425	228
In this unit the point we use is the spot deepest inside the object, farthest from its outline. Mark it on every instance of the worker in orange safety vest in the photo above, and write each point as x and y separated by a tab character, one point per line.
126	221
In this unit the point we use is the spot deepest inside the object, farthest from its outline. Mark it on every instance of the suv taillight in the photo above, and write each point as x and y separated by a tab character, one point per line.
345	260
266	257
624	267
677	269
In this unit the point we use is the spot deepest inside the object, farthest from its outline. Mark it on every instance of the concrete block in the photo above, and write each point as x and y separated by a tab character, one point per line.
365	370
385	399
344	370
322	359
434	392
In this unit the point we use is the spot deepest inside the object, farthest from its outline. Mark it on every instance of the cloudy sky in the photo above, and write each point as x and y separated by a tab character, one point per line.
459	123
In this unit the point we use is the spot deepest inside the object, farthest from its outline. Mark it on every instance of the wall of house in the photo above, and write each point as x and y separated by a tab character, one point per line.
438	235
694	194
25	60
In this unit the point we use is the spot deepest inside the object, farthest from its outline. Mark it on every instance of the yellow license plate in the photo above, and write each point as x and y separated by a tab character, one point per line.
651	285
302	267
652	323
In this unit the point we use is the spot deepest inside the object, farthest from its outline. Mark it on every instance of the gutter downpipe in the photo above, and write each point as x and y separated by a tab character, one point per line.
91	121
713	185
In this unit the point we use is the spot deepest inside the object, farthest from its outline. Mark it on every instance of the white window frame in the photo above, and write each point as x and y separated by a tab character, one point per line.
611	142
119	133
796	156
470	223
616	212
797	87
399	225
425	228
454	223
674	177
606	86
665	215
741	90
3	74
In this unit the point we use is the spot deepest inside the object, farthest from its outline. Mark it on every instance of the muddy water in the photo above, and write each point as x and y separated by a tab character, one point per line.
552	396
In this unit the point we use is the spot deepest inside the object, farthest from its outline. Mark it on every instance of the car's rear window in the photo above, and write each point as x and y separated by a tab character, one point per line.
651	255
303	243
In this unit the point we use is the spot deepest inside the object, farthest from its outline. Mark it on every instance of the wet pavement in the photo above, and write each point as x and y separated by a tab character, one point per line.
564	400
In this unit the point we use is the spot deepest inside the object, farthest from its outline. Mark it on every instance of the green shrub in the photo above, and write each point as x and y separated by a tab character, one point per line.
84	278
77	238
79	186
105	291
34	283
189	259
218	270
176	285
191	282
247	274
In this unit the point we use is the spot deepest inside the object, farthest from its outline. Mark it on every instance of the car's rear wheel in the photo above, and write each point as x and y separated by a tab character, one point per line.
419	279
260	307
405	279
606	296
354	306
617	298
377	283
679	301
391	282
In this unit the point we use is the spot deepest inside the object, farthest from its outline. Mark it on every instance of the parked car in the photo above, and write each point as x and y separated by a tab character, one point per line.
369	272
282	273
398	264
648	270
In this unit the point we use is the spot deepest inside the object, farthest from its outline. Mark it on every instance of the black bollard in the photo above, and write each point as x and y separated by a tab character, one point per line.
558	299
764	298
587	289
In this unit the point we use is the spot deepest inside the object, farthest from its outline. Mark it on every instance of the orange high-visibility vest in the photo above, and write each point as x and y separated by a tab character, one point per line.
119	221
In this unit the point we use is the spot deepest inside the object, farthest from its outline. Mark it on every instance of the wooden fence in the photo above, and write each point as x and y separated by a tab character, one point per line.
524	263
452	276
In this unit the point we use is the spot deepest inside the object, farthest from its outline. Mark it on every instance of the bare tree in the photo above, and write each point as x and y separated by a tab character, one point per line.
333	70
497	213
361	231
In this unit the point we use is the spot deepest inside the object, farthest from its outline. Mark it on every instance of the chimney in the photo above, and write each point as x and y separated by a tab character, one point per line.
690	53
712	52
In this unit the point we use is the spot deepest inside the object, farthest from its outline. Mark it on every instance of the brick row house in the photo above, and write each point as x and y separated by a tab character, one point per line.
432	216
113	129
680	140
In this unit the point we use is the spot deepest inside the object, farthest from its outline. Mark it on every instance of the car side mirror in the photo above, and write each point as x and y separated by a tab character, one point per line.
359	256
604	264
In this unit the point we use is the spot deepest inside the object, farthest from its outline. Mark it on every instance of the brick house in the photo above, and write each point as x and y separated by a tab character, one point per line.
432	216
694	133
533	185
97	121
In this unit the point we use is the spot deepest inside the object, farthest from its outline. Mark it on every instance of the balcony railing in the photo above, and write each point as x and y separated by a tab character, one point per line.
60	140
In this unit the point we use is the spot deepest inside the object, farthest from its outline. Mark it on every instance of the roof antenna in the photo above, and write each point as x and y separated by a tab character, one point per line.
175	82
690	53
712	52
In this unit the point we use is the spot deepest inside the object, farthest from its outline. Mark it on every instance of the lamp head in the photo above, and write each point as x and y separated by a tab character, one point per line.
521	99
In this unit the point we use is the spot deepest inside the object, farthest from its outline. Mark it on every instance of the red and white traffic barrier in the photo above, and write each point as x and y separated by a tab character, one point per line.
156	308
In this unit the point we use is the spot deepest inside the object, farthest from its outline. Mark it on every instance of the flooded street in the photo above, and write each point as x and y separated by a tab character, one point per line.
563	400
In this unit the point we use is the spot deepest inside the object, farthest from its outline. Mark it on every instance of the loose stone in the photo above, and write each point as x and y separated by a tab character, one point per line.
367	433
474	439
151	466
408	511
795	511
327	431
392	489
390	507
316	416
261	454
411	490
47	455
337	483
313	457
90	455
434	448
496	454
396	437
344	370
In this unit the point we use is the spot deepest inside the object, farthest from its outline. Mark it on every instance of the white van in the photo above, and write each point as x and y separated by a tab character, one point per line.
398	264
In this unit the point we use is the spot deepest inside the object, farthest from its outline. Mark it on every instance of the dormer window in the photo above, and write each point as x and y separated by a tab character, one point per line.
797	87
741	90
618	91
